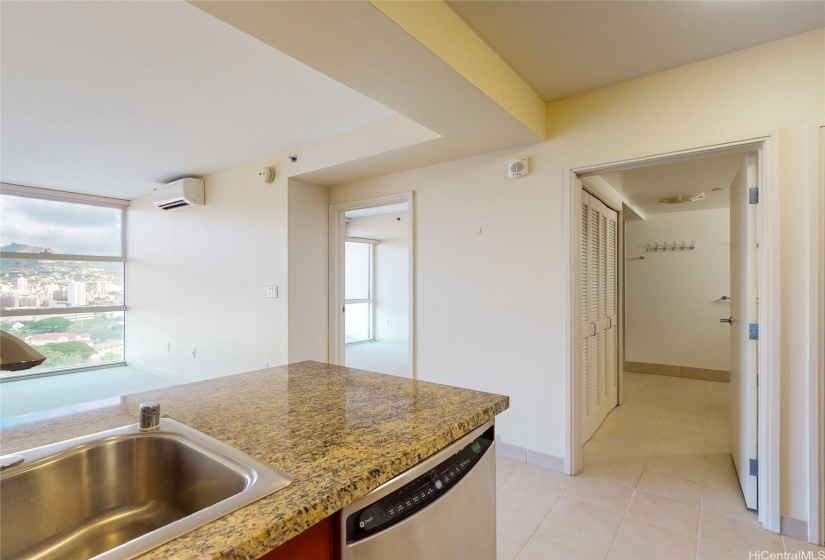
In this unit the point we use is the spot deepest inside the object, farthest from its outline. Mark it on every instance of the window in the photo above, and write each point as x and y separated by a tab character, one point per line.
62	277
358	292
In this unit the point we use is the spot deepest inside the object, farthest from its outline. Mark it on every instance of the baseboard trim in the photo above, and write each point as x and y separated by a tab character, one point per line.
678	371
180	379
794	528
529	456
510	451
546	461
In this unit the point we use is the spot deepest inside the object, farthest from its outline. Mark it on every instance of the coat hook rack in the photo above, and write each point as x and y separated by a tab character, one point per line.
655	247
665	246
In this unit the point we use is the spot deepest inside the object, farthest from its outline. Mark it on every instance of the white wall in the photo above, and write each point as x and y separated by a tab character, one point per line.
391	272
308	271
673	299
490	311
489	305
191	273
196	279
485	316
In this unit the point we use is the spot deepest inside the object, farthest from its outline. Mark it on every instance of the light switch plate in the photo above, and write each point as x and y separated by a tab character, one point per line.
272	291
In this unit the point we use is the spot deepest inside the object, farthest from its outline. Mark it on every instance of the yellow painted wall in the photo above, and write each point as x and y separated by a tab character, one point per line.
445	34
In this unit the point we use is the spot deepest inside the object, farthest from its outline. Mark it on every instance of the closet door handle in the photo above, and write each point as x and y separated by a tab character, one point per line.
593	329
729	320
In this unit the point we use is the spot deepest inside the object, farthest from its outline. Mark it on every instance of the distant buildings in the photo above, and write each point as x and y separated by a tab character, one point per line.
108	348
76	293
59	286
103	349
55	337
74	317
101	288
28	301
50	290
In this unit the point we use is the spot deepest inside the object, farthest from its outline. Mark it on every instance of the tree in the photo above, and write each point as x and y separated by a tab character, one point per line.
99	330
66	353
20	333
50	325
112	357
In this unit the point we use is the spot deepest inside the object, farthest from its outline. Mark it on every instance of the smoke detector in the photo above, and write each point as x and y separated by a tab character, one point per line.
517	168
680	198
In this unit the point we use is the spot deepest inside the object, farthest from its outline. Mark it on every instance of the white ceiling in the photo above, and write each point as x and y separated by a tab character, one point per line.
395	208
114	98
561	48
379	226
643	186
356	44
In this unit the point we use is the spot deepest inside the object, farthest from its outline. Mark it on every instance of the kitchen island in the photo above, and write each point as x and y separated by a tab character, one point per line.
341	432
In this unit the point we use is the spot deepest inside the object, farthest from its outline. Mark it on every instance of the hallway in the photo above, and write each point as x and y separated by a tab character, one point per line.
658	483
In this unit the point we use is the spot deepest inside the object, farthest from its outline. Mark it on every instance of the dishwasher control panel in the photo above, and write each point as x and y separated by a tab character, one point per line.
418	493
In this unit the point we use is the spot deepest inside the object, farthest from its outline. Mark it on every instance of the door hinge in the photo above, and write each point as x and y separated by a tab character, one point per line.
753	195
754	467
753	331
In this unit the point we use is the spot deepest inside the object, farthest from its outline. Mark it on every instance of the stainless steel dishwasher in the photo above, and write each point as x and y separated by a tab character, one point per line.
443	508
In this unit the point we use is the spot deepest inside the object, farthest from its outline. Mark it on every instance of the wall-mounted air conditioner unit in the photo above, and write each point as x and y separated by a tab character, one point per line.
180	194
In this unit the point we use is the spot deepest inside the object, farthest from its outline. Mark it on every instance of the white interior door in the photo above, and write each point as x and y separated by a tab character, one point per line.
599	294
743	349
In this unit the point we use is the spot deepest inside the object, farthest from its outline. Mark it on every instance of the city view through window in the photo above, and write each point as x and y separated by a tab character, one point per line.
62	280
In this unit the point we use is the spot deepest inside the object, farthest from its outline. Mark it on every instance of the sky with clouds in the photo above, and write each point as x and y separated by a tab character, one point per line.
64	227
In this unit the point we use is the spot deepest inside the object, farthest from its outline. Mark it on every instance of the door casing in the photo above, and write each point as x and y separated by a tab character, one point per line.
767	148
816	344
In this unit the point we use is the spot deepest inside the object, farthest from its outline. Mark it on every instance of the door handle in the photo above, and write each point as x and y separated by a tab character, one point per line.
729	320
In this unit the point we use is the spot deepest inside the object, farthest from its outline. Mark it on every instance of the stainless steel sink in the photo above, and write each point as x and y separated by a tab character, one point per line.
122	492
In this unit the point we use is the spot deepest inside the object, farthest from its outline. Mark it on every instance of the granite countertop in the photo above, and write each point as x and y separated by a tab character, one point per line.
340	431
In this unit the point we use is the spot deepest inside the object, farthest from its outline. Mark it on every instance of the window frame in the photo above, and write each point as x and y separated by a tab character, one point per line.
74	198
371	299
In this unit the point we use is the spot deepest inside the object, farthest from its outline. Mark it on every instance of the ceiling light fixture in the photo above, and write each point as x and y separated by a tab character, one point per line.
680	198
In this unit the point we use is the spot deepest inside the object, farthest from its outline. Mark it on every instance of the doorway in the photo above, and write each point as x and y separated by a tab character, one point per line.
765	426
371	285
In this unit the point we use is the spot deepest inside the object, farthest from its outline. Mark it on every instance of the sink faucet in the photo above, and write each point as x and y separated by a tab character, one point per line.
149	416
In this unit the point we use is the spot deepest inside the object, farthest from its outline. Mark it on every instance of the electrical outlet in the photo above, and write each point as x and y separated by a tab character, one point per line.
272	291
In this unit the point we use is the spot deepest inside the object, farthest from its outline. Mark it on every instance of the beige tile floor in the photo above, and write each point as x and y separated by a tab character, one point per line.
658	483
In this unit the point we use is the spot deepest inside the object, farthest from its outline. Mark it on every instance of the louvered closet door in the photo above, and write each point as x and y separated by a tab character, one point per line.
599	360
